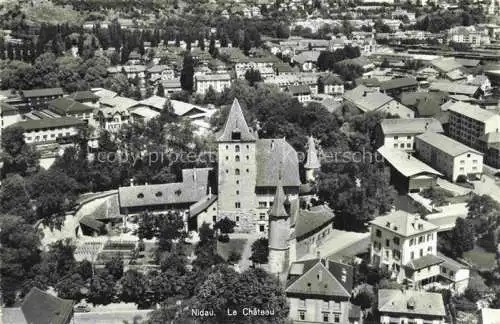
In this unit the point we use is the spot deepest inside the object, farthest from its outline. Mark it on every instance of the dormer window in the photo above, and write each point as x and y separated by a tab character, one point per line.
236	135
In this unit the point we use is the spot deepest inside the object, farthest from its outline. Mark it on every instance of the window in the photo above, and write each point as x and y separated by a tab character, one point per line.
237	205
429	249
468	155
420	239
429	237
412	241
421	252
248	170
261	228
402	145
408	145
262	216
378	233
140	196
237	192
396	137
237	172
336	318
159	194
408	137
325	317
387	243
237	181
262	204
227	157
395	145
387	254
396	254
396	240
302	315
237	158
237	218
462	161
461	169
214	218
237	148
474	161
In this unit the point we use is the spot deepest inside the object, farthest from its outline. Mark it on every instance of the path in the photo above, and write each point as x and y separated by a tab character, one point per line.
245	262
453	188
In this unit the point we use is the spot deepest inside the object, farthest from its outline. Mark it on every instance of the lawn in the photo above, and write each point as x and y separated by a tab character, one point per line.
234	245
479	257
53	14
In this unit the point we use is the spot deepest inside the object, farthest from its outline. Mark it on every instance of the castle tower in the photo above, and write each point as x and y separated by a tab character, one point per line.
237	171
279	232
312	164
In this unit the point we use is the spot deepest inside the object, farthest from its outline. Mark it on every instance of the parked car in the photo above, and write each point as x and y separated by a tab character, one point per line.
81	308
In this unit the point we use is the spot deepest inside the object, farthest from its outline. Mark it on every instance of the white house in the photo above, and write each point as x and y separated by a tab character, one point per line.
218	82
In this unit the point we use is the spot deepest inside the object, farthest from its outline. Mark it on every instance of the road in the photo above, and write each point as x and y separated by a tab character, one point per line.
487	186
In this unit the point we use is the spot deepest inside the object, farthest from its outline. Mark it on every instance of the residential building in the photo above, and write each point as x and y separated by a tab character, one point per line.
38	98
301	92
202	211
41	131
400	132
332	85
469	122
172	86
448	156
85	97
410	306
319	291
471	35
448	68
367	100
394	87
55	310
408	174
131	71
218	82
453	88
306	60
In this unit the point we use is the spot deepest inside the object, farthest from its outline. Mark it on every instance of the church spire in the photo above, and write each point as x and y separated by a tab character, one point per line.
236	128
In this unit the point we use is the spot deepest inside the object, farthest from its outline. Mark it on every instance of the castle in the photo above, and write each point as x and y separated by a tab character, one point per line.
259	188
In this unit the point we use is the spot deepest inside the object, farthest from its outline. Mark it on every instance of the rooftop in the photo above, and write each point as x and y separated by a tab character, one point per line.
445	144
83	96
410	126
42	308
452	87
472	111
32	124
42	92
236	124
446	64
403	223
299	89
424	262
398	83
65	106
273	155
310	220
406	164
411	302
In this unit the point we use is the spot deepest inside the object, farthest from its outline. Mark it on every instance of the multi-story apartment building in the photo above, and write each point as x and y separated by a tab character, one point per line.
319	291
400	132
51	129
38	98
218	82
301	92
448	156
469	122
410	306
406	245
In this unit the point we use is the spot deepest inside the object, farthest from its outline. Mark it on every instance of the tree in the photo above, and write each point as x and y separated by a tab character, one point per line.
18	156
160	91
365	297
462	236
71	287
170	228
211	47
201	43
133	287
20	253
482	206
102	289
253	76
115	267
187	73
260	251
225	225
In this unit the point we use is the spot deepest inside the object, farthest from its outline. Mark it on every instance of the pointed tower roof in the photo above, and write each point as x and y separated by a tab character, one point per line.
280	200
236	128
312	155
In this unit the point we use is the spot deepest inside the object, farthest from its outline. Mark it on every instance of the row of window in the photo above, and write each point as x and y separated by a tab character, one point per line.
402	145
397	137
45	137
327	317
237	147
237	171
237	158
421	239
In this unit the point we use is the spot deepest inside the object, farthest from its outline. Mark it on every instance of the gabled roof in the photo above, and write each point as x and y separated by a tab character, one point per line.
182	108
406	164
445	144
424	262
119	102
42	308
446	65
492	137
398	83
472	111
83	96
64	106
32	124
155	102
452	87
236	122
270	155
201	205
299	89
410	302
403	223
320	277
307	56
308	221
42	92
410	126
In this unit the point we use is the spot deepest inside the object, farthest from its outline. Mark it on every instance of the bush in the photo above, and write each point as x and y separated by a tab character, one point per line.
461	179
224	238
234	257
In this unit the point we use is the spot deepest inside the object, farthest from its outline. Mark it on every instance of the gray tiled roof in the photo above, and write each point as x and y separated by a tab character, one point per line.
49	123
309	221
42	92
194	186
236	122
320	277
410	126
445	144
472	111
201	205
42	308
403	223
453	87
65	106
398	83
278	207
406	164
424	262
273	155
421	302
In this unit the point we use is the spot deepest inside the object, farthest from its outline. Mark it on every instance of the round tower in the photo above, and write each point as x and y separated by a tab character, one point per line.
279	232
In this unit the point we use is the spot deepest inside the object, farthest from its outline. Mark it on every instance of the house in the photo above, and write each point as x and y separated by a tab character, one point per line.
131	71
489	316
452	88
400	132
41	308
319	290
471	35
218	82
38	98
408	174
306	60
202	211
172	86
448	156
162	197
9	115
45	130
160	73
367	100
448	68
469	122
410	306
481	81
71	108
489	144
405	245
301	92
332	85
396	86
